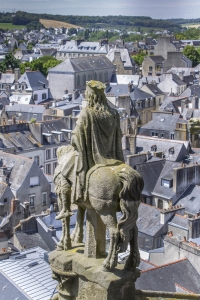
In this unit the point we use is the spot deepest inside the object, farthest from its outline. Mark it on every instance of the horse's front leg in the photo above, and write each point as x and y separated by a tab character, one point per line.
77	235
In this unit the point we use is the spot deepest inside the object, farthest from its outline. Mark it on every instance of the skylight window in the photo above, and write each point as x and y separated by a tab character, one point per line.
192	198
35	263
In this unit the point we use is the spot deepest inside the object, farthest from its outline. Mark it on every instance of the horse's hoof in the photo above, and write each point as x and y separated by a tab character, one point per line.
106	265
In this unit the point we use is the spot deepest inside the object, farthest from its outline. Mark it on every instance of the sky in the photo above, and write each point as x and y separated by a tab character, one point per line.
157	9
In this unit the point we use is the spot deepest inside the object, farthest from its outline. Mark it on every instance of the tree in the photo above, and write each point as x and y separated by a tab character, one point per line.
192	53
72	31
43	64
9	62
138	58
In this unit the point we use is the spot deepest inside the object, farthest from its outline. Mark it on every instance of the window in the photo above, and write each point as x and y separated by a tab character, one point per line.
44	198
154	148
167	182
150	68
54	112
54	152
162	135
5	200
44	96
54	166
48	169
171	150
37	160
172	136
35	116
32	200
160	204
48	154
34	181
35	97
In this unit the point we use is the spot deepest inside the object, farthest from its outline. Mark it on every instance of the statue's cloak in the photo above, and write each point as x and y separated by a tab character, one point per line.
97	140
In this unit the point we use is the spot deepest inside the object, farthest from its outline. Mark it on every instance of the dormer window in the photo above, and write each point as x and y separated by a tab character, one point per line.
167	182
171	150
154	148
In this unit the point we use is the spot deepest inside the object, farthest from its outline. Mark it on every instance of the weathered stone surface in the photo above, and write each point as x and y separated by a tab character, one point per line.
91	281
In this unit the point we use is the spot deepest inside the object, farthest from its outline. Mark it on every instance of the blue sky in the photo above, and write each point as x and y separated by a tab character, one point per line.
154	8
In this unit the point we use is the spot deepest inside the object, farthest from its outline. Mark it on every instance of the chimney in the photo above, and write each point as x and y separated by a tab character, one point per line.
26	211
13	205
13	120
17	73
166	214
180	75
76	94
130	86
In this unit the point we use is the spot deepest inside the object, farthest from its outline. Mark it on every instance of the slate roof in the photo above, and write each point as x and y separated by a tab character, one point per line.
124	54
84	47
19	167
122	89
26	111
148	219
34	80
150	172
177	80
190	199
34	280
31	239
125	79
79	64
158	59
164	277
144	144
7	78
188	79
9	290
145	265
166	122
168	106
3	187
180	221
166	173
21	98
154	89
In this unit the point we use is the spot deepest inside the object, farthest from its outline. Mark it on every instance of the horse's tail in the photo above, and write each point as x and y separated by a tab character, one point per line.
130	197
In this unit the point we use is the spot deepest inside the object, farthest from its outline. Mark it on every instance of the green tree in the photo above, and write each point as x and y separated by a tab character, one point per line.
43	64
72	31
9	62
138	58
192	53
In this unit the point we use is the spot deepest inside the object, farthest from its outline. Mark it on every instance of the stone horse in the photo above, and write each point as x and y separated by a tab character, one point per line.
109	189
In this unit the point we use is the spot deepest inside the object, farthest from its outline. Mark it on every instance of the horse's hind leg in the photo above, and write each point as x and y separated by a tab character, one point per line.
133	260
77	235
111	223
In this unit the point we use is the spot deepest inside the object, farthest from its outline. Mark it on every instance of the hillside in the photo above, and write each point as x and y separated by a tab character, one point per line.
57	24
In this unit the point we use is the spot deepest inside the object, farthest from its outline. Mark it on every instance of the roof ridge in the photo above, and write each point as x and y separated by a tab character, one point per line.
180	216
148	262
154	161
151	206
165	265
176	284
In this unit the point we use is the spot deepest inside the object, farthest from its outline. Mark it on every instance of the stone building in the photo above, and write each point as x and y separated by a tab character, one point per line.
73	73
152	65
123	61
155	92
80	48
27	181
163	46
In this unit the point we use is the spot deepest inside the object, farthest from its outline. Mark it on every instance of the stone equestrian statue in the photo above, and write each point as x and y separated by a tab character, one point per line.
92	174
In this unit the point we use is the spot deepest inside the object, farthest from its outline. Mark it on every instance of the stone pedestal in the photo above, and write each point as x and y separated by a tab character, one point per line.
83	278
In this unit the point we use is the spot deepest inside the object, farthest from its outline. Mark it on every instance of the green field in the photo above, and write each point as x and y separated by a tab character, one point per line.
10	26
